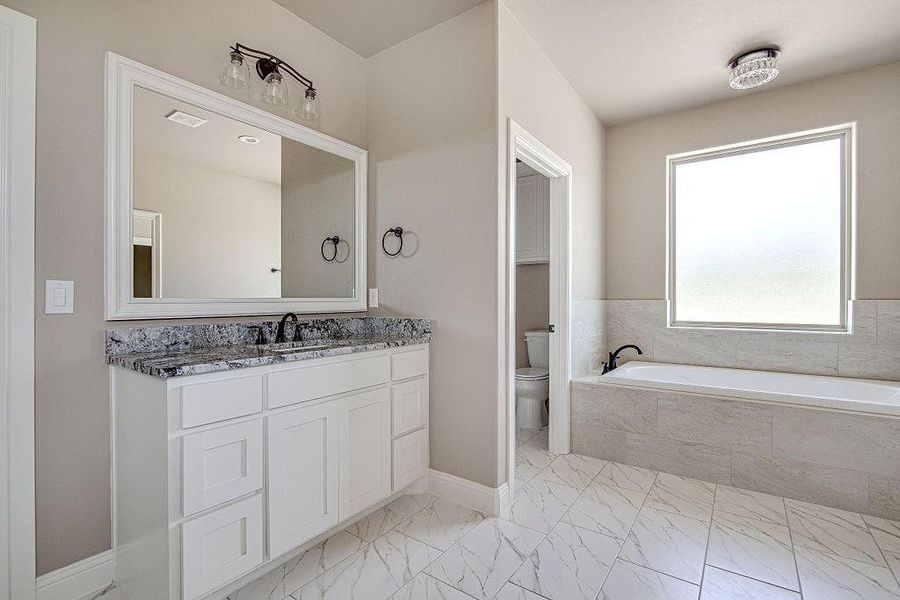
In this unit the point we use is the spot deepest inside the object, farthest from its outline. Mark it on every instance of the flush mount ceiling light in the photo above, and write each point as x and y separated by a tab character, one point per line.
248	139
235	74
753	69
183	118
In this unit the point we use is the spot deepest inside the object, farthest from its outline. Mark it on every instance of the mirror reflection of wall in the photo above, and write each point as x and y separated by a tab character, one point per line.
245	209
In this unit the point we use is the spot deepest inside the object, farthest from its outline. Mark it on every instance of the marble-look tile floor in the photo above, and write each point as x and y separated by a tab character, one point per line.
582	528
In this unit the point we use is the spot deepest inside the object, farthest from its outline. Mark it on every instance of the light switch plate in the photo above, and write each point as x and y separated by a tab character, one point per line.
59	297
373	298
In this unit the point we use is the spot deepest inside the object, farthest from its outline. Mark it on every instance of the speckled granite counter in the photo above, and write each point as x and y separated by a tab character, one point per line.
181	350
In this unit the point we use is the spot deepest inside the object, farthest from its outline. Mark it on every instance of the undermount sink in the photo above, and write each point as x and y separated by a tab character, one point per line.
293	346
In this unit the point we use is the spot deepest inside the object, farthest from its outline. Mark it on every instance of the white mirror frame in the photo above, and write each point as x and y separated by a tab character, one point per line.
122	75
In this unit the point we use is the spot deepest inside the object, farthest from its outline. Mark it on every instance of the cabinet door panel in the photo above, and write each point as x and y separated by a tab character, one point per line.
303	469
365	449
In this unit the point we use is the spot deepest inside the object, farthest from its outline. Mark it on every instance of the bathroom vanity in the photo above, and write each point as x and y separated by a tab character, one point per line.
226	459
231	453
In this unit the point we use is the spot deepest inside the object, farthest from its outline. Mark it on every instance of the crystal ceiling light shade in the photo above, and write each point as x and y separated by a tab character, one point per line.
275	93
309	108
235	72
753	69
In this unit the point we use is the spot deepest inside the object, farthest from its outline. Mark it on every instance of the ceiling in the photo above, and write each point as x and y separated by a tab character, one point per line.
214	144
637	58
369	26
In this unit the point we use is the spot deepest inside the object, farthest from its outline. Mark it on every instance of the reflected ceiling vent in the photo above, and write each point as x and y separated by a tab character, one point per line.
184	118
753	69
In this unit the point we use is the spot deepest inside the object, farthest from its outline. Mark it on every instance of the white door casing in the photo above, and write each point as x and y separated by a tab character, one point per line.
18	53
522	145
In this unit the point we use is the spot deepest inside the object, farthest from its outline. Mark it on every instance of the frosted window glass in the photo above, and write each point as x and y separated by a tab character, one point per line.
758	236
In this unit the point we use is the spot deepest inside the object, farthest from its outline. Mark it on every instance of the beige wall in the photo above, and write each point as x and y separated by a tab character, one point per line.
318	191
432	134
189	40
532	305
636	180
536	95
221	232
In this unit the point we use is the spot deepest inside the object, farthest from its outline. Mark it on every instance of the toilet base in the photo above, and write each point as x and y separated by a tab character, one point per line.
531	413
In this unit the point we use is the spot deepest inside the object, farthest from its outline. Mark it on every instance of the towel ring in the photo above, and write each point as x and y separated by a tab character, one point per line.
398	232
334	240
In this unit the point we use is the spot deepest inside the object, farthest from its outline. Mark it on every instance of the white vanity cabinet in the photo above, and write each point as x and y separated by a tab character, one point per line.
218	476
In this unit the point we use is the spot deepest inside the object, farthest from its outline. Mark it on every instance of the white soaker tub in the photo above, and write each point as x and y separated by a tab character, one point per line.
856	395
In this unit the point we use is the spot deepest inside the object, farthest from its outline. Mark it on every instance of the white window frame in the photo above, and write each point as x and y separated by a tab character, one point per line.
847	134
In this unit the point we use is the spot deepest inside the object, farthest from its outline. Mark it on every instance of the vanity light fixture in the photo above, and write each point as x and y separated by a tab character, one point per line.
248	139
271	69
753	69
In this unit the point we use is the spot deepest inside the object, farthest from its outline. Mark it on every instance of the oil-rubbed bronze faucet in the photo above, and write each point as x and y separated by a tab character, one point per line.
279	335
610	364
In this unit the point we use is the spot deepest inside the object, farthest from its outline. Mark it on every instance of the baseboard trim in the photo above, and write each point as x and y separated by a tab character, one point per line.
468	493
76	580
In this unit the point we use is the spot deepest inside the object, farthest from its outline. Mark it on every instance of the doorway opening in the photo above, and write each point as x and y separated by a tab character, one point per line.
537	274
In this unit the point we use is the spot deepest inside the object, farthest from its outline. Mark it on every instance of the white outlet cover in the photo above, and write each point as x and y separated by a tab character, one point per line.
59	297
373	298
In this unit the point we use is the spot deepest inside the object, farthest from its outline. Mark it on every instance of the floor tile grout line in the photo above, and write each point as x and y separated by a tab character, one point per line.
880	549
365	543
793	549
708	537
622	545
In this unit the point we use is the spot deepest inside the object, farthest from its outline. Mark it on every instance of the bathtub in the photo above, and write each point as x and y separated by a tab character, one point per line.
856	395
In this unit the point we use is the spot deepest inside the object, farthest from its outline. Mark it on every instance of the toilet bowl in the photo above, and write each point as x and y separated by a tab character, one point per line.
533	382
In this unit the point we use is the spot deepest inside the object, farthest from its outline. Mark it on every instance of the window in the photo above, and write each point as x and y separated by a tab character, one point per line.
759	234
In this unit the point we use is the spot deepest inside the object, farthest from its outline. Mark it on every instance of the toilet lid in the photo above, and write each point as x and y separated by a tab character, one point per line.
532	373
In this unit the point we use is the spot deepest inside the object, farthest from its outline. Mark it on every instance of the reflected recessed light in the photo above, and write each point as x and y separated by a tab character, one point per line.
248	139
183	118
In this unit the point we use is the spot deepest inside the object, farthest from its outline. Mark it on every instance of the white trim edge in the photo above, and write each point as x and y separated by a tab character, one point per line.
488	500
76	580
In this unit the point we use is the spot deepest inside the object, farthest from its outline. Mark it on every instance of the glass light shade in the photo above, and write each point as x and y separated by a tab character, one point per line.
275	93
309	108
235	72
753	70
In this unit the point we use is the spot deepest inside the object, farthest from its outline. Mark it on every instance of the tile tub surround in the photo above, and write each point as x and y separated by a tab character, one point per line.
195	349
838	459
871	351
675	538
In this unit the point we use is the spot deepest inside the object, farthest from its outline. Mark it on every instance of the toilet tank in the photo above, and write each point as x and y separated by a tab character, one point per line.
538	343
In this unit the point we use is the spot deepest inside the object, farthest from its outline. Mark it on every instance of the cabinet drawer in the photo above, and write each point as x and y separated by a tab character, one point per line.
221	465
221	546
318	381
410	458
203	403
409	405
409	364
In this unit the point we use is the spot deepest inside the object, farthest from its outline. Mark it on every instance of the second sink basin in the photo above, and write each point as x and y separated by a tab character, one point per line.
294	346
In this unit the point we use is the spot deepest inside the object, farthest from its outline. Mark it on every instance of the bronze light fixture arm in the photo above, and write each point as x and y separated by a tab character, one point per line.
267	63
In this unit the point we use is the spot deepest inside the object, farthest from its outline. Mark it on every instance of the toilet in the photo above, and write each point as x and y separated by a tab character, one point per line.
533	382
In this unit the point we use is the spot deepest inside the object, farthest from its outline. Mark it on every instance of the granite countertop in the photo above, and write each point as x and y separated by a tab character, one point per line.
195	349
164	364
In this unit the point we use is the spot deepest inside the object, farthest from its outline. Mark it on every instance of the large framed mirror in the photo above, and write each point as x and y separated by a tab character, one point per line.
215	207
